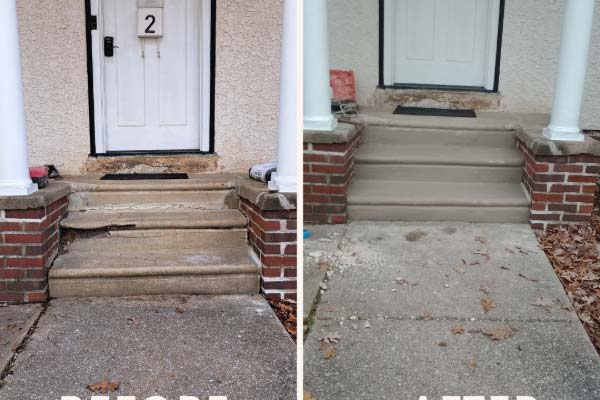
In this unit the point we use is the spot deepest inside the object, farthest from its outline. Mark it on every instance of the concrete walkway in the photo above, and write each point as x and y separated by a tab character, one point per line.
177	346
396	290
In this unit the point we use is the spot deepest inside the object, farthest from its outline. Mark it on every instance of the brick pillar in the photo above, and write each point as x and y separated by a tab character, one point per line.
29	242
328	173
272	234
562	187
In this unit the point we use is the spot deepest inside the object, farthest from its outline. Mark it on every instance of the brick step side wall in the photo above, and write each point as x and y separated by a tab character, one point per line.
562	188
29	242
328	174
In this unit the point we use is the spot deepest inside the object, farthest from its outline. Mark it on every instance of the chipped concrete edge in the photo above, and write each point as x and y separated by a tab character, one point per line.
42	198
5	362
258	194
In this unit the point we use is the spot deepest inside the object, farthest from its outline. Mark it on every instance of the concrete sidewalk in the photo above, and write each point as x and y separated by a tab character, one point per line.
396	290
230	346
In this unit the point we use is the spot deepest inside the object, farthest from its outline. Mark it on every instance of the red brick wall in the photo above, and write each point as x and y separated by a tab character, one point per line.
328	174
562	188
29	241
272	235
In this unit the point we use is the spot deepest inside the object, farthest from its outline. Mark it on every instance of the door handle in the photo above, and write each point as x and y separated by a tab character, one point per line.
109	46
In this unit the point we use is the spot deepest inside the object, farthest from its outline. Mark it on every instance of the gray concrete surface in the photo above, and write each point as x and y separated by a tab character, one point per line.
325	240
396	289
195	346
15	322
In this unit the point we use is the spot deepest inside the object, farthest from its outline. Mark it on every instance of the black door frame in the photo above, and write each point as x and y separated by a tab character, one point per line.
92	24
440	87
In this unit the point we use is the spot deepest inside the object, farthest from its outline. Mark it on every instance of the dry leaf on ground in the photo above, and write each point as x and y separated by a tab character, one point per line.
499	333
488	304
331	338
309	396
329	352
104	387
457	330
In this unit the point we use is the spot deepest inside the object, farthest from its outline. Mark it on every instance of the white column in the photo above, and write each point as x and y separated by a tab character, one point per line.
14	168
285	179
317	90
570	83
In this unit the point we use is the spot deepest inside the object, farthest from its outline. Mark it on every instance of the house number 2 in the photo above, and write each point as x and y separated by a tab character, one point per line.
150	22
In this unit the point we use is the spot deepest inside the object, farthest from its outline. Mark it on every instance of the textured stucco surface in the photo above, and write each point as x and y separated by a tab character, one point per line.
54	66
247	81
53	57
529	62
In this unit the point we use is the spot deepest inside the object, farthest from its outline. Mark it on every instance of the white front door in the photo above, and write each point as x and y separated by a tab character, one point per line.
441	42
154	92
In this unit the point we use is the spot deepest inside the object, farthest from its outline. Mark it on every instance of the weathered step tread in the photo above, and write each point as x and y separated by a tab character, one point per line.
376	153
80	265
204	182
418	193
156	219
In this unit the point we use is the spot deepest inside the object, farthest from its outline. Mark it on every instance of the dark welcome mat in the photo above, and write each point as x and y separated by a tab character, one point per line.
435	112
141	177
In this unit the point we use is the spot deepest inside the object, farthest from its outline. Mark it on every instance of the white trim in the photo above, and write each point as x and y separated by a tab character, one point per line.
389	34
100	125
205	60
389	55
493	25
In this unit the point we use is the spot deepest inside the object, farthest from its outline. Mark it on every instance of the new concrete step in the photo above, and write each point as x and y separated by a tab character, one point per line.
154	272
160	239
438	172
435	154
452	137
155	219
437	201
154	199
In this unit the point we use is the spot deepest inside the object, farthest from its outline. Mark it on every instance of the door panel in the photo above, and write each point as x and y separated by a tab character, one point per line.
152	85
441	42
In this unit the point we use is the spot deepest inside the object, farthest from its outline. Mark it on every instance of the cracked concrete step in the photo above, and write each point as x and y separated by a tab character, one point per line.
437	201
453	137
161	239
164	272
377	153
204	182
156	219
153	199
454	173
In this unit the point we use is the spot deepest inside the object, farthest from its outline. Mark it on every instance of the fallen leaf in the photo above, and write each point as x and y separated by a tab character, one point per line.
488	304
473	364
331	338
457	330
499	333
309	396
104	387
329	352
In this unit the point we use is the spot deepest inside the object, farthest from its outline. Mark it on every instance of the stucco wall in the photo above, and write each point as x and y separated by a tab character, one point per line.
53	53
529	53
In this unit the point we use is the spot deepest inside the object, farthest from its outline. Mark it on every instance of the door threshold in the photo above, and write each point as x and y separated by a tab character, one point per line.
151	153
442	88
143	162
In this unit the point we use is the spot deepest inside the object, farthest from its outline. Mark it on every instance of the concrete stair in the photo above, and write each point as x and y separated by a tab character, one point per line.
133	238
465	173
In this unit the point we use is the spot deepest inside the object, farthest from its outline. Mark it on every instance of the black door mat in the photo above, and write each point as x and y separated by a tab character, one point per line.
141	177
435	112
